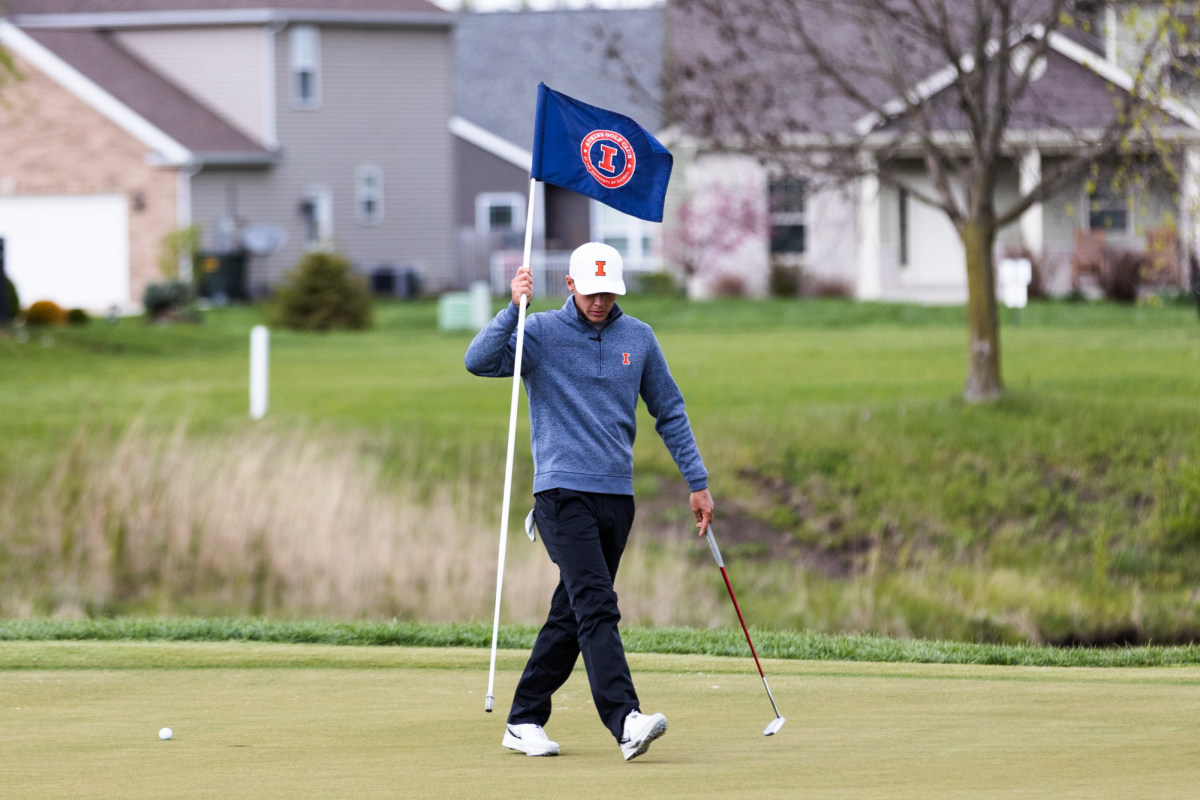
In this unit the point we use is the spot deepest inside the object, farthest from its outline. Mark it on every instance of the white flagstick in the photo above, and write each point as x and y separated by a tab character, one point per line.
490	700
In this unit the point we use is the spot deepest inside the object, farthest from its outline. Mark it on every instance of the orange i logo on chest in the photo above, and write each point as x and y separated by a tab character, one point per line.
625	356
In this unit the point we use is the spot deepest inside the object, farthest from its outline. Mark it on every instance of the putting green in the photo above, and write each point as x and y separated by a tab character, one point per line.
265	721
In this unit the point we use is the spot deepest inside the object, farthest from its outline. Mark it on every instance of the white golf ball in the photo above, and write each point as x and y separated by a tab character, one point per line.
165	734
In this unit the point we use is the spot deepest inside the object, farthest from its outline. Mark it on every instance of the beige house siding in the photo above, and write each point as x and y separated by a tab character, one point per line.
223	67
55	144
386	98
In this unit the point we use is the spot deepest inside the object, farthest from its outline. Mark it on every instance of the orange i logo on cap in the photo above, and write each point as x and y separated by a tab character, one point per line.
600	269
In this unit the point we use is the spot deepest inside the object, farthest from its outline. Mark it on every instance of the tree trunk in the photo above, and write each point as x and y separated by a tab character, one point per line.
983	321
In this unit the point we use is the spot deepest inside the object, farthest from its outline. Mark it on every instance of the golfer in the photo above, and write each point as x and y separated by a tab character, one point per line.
584	367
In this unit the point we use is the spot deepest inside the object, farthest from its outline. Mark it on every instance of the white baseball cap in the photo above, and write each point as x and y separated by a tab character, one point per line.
596	268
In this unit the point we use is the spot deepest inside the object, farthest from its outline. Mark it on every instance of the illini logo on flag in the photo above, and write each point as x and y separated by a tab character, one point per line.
599	154
609	157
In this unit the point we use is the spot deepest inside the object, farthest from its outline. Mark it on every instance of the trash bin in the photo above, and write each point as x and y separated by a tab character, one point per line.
222	276
391	281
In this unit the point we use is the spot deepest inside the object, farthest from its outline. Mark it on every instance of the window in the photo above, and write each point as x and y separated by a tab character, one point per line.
633	238
787	199
499	211
368	194
304	51
1184	72
1087	23
1108	208
903	225
1183	68
500	217
317	211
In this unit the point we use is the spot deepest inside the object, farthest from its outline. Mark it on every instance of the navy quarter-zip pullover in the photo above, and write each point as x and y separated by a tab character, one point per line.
583	386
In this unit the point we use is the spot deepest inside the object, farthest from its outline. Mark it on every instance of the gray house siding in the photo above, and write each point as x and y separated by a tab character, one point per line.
479	171
568	219
386	94
500	57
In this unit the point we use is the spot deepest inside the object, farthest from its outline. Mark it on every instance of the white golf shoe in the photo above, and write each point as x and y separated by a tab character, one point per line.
640	730
529	739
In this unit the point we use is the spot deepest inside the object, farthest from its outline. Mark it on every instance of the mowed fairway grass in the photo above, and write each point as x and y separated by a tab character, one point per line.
80	719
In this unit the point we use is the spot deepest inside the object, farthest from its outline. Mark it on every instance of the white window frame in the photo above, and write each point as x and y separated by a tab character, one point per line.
368	185
485	201
1129	198
608	223
304	55
790	219
321	199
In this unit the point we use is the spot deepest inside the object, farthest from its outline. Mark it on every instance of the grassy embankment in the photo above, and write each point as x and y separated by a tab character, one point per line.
856	491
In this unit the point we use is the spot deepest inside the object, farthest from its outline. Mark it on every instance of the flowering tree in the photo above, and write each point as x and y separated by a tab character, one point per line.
711	226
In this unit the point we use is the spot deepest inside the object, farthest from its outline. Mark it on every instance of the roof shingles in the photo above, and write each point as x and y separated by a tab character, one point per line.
500	57
161	103
17	7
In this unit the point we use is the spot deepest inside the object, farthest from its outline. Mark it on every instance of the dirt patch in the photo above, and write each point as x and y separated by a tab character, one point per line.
745	535
1129	636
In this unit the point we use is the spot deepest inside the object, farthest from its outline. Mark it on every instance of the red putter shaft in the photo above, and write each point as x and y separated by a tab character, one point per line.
745	630
716	553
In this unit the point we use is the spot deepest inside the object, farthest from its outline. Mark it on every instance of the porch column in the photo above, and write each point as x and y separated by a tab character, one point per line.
870	279
1189	208
1031	224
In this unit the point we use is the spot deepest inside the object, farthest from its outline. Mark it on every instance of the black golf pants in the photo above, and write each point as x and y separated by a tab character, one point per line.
585	534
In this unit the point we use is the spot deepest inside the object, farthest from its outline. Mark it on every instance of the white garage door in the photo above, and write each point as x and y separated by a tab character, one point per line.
72	250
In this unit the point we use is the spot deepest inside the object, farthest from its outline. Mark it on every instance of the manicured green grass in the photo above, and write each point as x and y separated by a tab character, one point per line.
1070	511
266	721
794	645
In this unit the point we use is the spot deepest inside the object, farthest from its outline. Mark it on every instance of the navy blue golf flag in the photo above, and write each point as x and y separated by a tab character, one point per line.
600	154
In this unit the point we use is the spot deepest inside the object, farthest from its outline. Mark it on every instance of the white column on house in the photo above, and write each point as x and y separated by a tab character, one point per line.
270	132
1110	32
183	213
1031	224
539	216
1189	208
870	278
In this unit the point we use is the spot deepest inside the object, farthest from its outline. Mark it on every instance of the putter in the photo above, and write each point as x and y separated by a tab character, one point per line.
777	723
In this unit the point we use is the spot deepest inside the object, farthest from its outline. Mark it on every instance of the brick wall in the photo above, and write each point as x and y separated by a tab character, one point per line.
52	143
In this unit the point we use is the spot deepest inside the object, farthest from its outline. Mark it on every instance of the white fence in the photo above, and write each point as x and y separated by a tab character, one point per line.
550	272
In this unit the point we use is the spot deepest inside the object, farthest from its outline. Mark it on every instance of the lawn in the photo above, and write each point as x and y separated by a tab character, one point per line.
855	491
262	721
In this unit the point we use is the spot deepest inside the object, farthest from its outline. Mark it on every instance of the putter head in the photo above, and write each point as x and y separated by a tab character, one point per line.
774	727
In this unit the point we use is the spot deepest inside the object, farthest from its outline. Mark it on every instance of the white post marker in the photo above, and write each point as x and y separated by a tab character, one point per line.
490	700
1015	275
260	339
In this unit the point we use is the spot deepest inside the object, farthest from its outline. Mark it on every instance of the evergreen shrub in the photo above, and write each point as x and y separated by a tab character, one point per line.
14	300
323	294
170	300
660	283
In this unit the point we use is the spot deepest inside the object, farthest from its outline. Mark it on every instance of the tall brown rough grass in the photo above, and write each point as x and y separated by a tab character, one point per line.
283	523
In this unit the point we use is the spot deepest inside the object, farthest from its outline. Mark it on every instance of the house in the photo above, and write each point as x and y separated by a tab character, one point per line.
872	239
499	60
276	127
